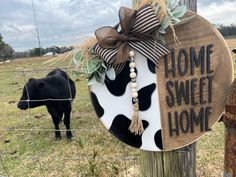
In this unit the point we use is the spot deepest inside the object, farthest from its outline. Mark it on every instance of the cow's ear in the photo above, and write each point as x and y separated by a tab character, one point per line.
32	79
40	85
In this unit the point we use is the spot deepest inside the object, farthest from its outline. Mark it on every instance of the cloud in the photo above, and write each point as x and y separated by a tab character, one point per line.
219	12
61	22
65	22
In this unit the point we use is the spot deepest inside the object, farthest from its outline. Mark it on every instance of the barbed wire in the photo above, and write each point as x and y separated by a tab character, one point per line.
78	158
38	70
44	100
52	130
81	158
29	110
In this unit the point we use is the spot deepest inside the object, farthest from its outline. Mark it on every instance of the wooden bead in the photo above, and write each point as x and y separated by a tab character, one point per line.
134	90
134	85
131	53
132	70
132	65
132	75
135	94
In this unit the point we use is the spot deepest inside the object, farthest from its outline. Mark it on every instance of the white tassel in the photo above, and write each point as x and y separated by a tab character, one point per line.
136	125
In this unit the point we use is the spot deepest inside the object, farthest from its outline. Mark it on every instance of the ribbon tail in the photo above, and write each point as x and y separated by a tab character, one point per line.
118	68
151	49
122	53
108	55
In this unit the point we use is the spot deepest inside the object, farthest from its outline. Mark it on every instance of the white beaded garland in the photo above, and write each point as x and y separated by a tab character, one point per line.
132	75
135	94
134	85
132	70
132	65
131	53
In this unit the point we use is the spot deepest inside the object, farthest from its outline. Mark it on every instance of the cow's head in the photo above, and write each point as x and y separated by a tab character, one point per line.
32	95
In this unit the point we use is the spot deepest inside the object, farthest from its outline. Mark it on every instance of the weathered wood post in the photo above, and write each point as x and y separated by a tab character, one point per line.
179	163
191	4
230	133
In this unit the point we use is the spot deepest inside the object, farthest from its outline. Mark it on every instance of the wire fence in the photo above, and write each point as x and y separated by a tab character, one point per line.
95	152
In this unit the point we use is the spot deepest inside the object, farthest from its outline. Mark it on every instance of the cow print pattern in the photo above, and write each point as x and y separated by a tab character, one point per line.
99	110
158	139
113	104
118	86
120	129
151	67
145	97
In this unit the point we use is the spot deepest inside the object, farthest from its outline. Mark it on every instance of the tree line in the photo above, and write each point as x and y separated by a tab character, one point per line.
227	30
36	52
6	51
54	50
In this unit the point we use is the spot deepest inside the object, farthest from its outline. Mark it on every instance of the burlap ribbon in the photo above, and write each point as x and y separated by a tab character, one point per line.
137	32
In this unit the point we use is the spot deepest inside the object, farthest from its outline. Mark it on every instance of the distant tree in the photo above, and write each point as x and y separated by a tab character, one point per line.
58	50
227	30
22	54
66	49
2	43
1	38
6	51
36	52
63	49
54	49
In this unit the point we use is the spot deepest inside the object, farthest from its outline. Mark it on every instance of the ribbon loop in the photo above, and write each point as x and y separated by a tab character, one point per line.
107	37
137	29
127	19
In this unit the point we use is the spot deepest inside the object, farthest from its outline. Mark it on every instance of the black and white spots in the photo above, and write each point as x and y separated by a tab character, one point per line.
158	139
99	110
118	86
145	95
151	67
114	98
120	129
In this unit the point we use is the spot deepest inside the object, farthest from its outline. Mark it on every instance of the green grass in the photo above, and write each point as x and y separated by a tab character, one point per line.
92	152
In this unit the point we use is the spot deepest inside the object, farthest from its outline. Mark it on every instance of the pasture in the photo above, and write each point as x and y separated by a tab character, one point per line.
28	147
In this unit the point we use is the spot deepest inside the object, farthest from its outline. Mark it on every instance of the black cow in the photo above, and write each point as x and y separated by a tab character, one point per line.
54	91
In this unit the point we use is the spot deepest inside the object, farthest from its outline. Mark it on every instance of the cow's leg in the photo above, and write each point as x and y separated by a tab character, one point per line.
56	118
67	124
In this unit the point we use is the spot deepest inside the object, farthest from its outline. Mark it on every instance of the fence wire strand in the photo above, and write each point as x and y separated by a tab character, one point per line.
99	158
33	131
31	120
78	158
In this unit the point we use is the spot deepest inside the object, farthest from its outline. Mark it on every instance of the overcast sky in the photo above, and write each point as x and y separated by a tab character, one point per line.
67	22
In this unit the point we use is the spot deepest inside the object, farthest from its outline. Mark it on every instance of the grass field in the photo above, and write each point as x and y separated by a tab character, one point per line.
28	147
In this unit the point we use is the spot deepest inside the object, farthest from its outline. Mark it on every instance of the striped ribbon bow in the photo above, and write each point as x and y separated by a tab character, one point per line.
137	32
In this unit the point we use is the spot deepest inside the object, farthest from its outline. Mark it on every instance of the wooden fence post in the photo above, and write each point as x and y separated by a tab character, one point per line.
230	133
191	4
178	163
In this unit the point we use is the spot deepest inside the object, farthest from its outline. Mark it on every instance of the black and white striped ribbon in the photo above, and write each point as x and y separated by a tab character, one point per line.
146	22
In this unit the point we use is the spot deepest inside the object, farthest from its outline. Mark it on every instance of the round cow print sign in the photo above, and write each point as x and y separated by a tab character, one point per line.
179	101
